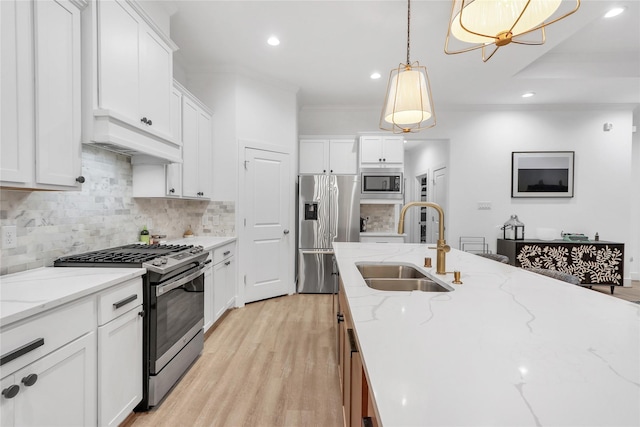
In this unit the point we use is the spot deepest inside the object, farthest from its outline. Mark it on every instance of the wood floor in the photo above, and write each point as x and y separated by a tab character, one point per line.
271	363
627	293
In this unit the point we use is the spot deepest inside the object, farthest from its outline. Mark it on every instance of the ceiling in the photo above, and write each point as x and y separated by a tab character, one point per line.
329	49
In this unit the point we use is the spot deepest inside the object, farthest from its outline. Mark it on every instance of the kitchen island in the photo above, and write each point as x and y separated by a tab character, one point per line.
505	348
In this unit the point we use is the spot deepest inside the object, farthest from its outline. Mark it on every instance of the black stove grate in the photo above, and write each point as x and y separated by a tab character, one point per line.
123	256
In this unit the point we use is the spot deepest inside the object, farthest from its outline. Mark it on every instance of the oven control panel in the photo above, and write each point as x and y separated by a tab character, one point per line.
172	261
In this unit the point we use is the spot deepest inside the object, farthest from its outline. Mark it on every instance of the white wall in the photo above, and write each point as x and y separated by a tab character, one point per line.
481	142
248	112
634	193
420	160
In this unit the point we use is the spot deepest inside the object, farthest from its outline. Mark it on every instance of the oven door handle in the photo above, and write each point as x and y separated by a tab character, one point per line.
160	290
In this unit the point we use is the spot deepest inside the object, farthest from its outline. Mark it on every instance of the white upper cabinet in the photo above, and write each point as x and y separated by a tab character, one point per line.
328	156
381	151
197	150
191	123
40	85
128	82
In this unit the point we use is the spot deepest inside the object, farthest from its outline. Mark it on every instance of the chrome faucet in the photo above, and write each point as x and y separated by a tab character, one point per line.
441	247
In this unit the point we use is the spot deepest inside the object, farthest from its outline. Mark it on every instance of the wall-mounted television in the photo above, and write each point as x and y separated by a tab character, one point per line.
542	174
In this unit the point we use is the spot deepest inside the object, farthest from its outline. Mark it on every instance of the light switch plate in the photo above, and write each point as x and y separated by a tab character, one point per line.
484	206
9	237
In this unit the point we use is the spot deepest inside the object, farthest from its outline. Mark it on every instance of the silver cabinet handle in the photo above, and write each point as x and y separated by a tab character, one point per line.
286	231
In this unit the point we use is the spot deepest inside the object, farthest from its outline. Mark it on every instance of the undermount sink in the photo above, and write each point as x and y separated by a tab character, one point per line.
424	285
388	271
397	277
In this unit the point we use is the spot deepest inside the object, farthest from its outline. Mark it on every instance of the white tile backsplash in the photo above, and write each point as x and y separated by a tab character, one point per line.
381	217
104	214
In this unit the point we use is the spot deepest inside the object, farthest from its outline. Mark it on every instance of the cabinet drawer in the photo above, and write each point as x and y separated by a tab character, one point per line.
118	300
39	335
223	252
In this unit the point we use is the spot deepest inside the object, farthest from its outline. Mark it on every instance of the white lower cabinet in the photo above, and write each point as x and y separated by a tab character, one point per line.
119	352
56	390
208	299
220	286
79	364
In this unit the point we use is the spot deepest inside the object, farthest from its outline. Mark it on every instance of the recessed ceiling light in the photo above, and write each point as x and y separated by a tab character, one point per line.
528	94
375	75
273	41
614	12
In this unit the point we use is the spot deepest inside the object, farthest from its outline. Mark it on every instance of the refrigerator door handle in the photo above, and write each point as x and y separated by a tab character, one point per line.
317	251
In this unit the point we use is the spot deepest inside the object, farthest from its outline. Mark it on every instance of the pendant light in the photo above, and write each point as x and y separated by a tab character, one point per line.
491	24
408	105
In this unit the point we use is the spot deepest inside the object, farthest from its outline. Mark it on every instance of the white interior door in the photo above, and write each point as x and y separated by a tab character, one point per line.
440	197
267	195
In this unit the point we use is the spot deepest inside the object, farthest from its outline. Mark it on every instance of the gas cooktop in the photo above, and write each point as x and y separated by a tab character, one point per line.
133	255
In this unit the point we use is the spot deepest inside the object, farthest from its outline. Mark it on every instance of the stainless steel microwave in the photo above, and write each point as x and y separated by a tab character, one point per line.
381	184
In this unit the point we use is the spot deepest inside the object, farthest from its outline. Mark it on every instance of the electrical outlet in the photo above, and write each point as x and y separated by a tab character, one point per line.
484	206
9	237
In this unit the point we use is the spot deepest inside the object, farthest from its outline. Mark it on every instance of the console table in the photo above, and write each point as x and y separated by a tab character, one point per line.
594	263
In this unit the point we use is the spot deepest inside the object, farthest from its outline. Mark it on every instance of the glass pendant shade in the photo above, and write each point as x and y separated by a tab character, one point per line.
490	24
408	105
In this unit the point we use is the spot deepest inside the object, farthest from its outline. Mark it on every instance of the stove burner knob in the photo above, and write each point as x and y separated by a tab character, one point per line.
156	262
164	260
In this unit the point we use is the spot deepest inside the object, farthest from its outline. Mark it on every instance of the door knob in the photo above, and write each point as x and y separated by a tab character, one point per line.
286	231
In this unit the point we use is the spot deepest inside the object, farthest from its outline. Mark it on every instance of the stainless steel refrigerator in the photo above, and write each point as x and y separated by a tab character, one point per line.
328	211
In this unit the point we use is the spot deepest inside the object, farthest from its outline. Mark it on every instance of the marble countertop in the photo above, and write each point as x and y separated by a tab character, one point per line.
506	348
207	242
28	293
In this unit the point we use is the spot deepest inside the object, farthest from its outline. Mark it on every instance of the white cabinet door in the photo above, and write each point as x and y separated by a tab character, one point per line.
230	288
135	68
190	184
119	367
370	150
208	299
40	124
328	156
118	59
57	83
173	173
205	155
393	149
219	285
156	78
382	151
314	156
7	403
176	115
16	90
196	151
343	156
64	393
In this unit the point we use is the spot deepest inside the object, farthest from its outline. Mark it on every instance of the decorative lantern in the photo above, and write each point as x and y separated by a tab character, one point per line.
513	229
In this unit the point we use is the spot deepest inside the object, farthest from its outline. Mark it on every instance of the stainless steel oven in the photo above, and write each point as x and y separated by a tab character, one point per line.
173	307
176	320
381	184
